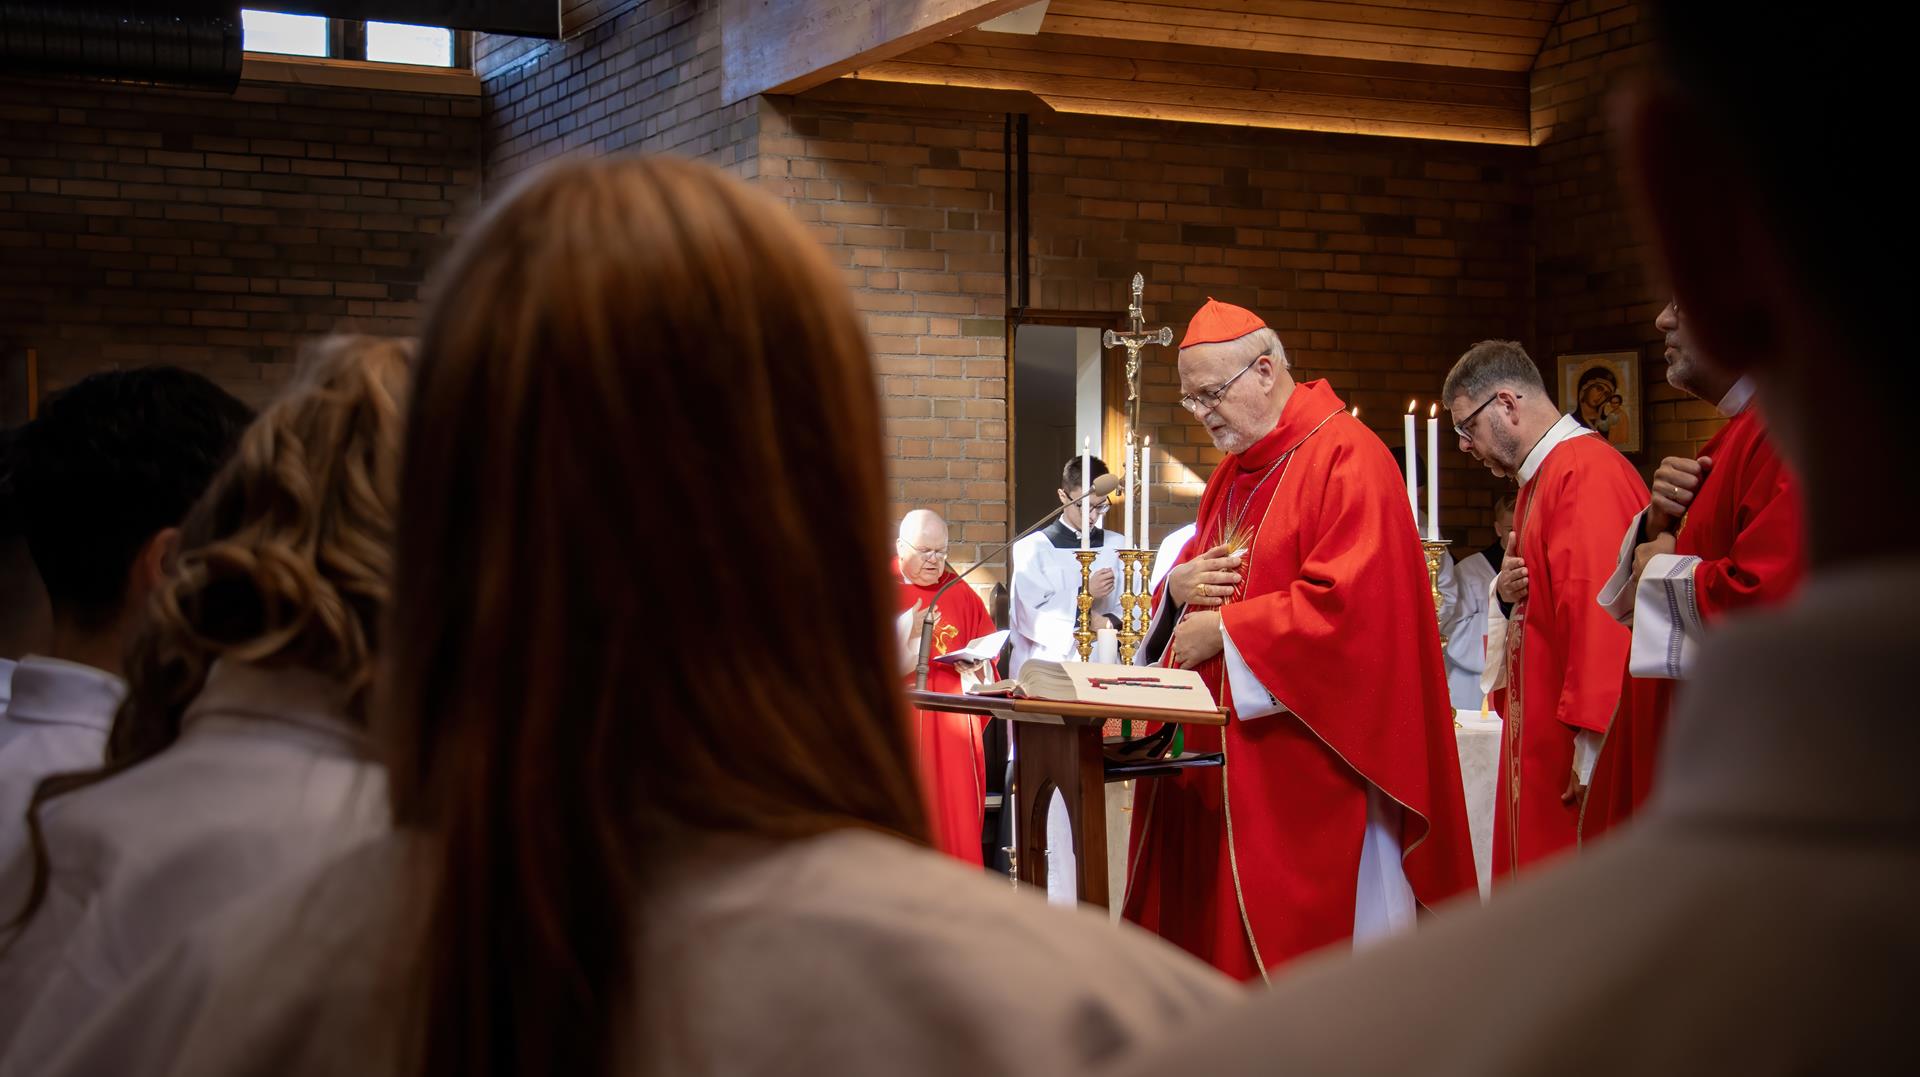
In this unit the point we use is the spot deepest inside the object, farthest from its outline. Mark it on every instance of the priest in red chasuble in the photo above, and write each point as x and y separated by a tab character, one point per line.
1721	534
1303	600
953	765
1553	656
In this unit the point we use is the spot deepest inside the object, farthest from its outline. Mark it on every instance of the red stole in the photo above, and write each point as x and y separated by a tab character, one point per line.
1335	614
1566	654
1744	525
951	758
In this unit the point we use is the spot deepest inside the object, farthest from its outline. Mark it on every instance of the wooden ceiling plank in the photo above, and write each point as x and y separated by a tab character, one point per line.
1243	21
1250	58
1238	118
1369	14
1184	35
1539	10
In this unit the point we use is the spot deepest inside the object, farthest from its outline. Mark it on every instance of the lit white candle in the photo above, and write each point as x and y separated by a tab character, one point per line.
1128	476
1356	411
1433	473
1413	493
1086	489
1146	487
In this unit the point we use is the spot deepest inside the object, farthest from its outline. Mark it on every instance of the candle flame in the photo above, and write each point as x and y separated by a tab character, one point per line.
1410	405
1433	411
1356	411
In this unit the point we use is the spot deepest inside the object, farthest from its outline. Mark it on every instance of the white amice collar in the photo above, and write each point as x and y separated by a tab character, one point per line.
1737	398
1567	427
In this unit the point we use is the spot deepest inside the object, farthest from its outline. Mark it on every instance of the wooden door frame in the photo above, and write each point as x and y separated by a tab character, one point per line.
1113	422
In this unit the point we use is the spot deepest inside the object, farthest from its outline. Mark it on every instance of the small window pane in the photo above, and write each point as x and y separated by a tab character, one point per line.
398	43
270	31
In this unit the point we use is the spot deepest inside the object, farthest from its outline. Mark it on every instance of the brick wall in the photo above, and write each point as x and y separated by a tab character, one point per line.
1377	261
642	75
213	231
1594	292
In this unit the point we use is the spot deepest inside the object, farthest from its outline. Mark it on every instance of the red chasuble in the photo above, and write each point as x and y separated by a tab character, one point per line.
1744	526
953	763
1254	863
1566	655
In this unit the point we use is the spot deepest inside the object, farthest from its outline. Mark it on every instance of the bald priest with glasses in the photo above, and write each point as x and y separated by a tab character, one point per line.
1303	601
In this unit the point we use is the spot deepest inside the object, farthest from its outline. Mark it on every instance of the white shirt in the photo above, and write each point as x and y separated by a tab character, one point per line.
57	721
268	776
1757	918
1046	586
850	953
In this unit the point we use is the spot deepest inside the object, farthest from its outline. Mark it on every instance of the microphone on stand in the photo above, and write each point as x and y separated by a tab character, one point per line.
1102	487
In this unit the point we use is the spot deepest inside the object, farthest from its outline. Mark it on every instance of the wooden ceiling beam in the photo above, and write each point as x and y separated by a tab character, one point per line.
1149	62
1249	28
1188	93
786	46
1500	136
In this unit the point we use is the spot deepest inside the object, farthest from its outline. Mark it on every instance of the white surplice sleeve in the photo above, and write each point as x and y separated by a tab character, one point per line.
1251	698
1616	597
1041	612
1666	623
1586	753
1662	611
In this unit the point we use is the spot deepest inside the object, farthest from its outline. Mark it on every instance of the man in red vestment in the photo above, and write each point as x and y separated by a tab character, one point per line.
953	764
1303	601
1555	656
1721	534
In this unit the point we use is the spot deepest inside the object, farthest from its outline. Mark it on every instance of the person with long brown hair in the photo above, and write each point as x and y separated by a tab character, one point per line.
240	753
655	815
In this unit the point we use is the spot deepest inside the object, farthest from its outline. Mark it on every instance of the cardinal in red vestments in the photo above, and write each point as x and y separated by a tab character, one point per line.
1304	602
1721	534
1554	657
951	756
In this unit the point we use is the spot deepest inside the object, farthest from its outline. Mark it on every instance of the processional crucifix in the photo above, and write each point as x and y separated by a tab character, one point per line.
1133	600
1133	340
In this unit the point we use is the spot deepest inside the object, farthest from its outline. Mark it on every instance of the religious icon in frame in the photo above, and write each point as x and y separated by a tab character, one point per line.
1602	391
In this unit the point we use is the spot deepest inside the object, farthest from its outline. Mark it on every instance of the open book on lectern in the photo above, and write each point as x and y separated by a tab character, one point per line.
1099	682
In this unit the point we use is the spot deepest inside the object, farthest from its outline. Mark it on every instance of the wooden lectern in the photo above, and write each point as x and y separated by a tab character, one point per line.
1057	745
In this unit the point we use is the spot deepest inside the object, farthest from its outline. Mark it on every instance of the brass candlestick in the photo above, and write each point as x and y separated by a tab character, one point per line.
1435	549
1133	604
1083	636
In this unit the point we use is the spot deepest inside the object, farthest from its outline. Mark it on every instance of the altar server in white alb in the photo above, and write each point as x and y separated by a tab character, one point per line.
1046	573
101	480
241	754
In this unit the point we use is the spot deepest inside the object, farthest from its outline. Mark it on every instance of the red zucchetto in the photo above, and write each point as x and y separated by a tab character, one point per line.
1217	323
